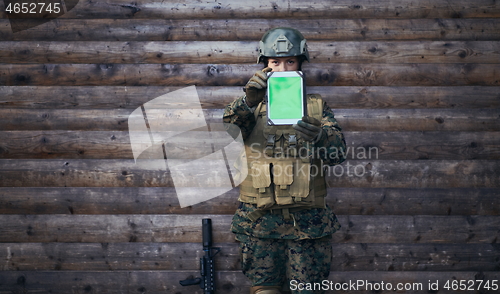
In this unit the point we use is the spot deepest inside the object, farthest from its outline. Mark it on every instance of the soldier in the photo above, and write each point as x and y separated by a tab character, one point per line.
283	223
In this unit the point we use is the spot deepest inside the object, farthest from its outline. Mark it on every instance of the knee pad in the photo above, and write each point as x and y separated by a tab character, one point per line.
265	290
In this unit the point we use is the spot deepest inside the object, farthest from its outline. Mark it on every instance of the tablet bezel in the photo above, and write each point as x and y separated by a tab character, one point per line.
285	121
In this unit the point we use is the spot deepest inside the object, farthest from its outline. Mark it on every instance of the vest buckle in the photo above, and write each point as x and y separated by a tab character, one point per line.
271	141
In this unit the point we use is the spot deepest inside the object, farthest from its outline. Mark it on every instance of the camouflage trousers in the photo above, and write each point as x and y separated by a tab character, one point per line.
276	262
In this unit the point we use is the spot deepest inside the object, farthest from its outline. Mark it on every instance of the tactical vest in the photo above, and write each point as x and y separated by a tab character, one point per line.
281	177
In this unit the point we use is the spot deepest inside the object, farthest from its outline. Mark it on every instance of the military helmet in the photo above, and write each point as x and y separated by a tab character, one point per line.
282	42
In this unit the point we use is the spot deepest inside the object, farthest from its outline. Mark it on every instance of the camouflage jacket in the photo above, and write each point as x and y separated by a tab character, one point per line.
305	224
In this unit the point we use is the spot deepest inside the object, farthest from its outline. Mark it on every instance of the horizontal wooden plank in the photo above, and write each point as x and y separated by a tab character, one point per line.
423	120
281	9
424	145
361	145
405	52
228	282
223	29
355	120
147	173
187	228
119	282
124	97
346	201
245	52
339	97
341	74
458	201
186	256
415	174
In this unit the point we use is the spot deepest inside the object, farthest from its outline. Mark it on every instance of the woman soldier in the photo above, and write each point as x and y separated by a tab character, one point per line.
283	223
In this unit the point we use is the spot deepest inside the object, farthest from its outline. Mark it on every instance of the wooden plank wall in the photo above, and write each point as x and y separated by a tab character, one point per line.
418	80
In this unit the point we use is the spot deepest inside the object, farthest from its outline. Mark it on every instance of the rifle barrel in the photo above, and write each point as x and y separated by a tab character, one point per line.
207	232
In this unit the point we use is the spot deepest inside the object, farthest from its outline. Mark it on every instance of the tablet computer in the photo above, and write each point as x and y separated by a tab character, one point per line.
285	97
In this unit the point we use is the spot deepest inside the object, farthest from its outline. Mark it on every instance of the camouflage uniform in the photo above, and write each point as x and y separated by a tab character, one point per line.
305	237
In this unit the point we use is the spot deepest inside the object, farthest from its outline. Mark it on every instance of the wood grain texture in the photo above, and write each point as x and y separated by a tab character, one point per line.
344	201
352	173
164	29
351	120
361	145
224	52
341	74
228	282
186	228
416	81
185	256
282	9
115	282
414	174
423	120
80	98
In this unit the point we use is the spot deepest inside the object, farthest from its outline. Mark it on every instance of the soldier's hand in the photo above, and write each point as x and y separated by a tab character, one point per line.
309	129
256	87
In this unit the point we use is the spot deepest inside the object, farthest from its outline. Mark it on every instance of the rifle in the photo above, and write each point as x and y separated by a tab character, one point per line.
207	280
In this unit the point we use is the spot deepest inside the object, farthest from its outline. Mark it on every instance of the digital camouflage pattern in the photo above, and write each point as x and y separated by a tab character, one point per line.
304	224
240	114
268	261
305	236
334	141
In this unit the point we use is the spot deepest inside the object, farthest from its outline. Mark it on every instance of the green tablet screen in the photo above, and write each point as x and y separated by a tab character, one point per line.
285	98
